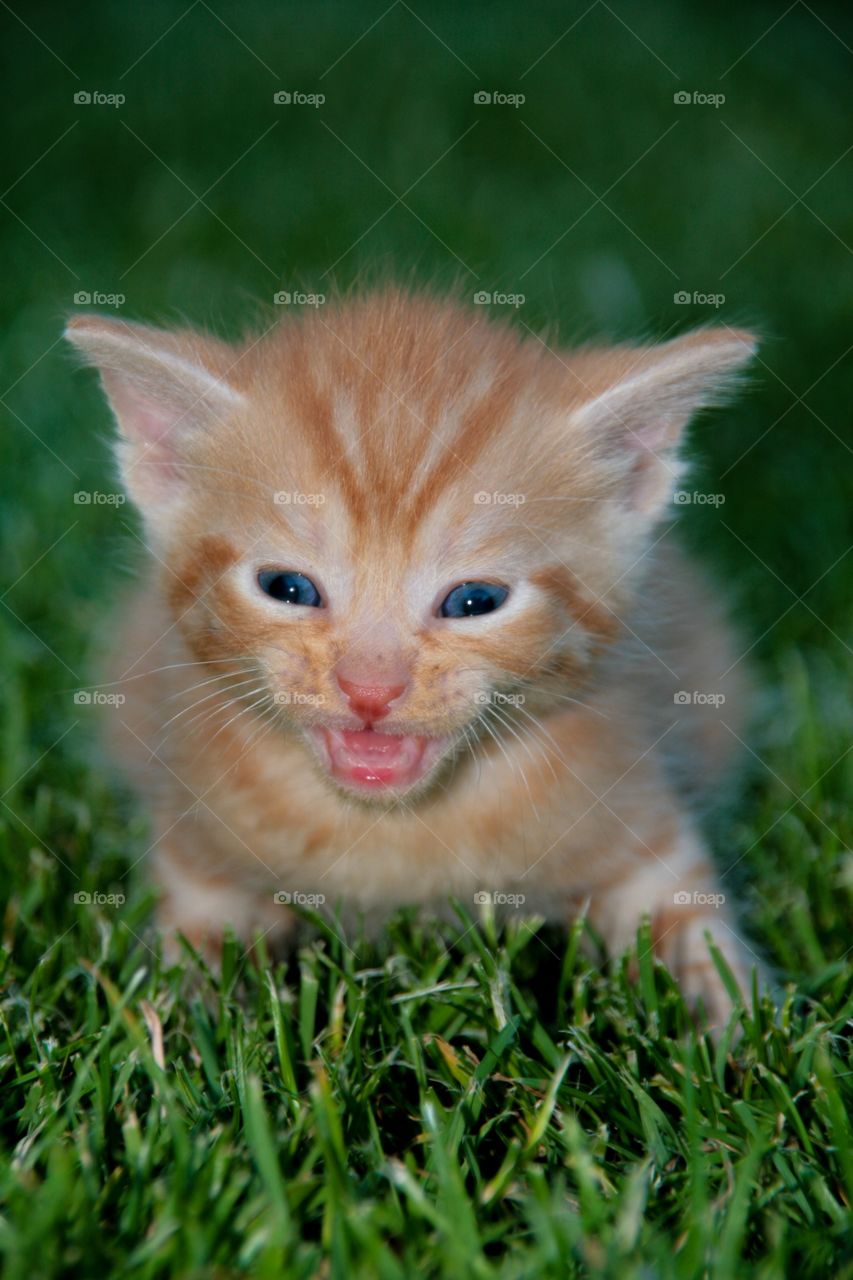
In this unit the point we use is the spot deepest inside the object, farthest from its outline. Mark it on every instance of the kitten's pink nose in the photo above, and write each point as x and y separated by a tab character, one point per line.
370	701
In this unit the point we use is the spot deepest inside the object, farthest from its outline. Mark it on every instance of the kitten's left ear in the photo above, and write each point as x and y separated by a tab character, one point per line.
164	388
635	424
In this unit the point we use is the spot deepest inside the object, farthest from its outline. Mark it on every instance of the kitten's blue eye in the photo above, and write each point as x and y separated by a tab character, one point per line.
290	588
470	599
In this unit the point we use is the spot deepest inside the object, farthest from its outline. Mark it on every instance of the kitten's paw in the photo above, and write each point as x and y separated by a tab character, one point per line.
204	911
207	942
689	959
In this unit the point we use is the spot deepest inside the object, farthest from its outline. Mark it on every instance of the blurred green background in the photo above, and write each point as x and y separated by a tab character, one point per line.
600	198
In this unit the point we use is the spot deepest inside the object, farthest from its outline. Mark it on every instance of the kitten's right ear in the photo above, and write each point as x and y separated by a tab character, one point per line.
164	388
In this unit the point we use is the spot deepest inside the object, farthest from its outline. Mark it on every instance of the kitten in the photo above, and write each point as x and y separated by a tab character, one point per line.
411	626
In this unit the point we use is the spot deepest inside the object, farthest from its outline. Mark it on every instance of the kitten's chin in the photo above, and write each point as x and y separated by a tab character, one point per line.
377	766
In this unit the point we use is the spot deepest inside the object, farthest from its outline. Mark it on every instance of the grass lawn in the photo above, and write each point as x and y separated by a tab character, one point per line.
448	1102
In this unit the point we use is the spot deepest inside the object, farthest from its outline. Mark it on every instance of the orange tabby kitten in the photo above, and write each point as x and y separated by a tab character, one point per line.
411	629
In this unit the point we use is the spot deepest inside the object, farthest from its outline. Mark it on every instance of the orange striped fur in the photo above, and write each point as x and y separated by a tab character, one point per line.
418	444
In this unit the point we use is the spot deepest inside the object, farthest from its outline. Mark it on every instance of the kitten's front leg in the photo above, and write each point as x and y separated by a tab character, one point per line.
676	885
201	904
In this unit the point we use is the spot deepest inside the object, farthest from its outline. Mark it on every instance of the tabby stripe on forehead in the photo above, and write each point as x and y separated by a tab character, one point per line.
479	424
562	583
330	448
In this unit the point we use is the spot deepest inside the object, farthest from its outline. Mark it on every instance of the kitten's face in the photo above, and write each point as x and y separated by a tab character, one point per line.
383	560
384	641
404	521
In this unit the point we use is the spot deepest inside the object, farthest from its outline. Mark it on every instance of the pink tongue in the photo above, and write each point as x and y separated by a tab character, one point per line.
367	744
375	759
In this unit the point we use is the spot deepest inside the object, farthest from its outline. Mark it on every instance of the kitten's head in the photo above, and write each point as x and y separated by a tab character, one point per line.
399	512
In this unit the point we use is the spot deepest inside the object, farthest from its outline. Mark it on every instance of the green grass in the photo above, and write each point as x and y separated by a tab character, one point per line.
444	1102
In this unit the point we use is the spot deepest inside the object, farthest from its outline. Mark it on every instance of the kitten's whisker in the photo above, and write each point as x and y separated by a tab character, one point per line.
481	720
202	718
513	764
223	675
555	748
256	736
505	721
544	750
240	700
243	711
216	693
460	745
170	666
563	697
471	744
265	725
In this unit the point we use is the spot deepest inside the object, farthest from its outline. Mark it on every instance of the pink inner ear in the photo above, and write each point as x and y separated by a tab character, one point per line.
142	419
659	434
648	483
146	426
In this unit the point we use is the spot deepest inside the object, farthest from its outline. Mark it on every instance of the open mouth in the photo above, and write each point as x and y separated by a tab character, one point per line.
365	760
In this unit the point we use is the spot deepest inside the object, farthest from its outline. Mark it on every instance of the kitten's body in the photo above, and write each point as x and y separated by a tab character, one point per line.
386	421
